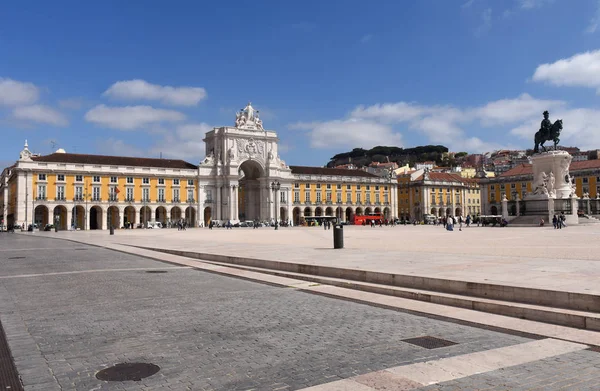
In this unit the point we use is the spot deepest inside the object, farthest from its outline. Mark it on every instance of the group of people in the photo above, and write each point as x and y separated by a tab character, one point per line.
559	221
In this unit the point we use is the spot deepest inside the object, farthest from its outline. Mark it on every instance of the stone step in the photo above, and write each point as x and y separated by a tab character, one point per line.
557	316
574	301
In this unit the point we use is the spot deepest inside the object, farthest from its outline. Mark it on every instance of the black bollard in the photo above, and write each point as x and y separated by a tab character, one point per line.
55	227
338	236
112	230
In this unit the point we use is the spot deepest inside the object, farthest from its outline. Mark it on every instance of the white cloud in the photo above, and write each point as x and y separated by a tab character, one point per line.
16	93
183	142
131	117
367	126
580	127
468	3
366	38
40	114
114	147
142	90
505	111
580	70
595	21
529	4
71	103
486	22
353	132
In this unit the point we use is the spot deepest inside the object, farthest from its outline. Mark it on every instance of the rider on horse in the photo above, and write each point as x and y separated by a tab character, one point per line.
545	126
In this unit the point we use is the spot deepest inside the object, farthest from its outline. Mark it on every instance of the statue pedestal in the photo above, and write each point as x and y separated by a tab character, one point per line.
552	189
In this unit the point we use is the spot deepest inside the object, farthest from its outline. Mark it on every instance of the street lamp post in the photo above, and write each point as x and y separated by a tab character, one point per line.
275	186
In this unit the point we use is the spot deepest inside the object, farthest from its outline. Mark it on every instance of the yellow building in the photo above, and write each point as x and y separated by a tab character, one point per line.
425	193
517	182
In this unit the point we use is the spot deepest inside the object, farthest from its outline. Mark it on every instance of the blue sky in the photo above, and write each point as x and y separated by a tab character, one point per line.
150	77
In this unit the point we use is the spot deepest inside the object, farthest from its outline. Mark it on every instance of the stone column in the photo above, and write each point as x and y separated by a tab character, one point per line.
218	202
104	219
504	208
236	200
518	199
589	206
574	207
69	216
200	192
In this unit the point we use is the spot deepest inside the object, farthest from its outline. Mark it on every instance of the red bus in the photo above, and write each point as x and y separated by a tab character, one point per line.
366	219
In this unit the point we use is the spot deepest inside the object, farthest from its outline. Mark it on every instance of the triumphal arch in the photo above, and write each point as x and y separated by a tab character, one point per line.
241	166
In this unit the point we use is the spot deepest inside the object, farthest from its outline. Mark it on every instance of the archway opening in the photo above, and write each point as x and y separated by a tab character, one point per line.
112	217
307	212
349	214
339	213
283	217
176	214
359	211
95	217
318	211
207	215
161	215
60	217
78	217
250	190
387	213
129	218
41	216
296	216
145	216
190	216
494	210
329	211
458	212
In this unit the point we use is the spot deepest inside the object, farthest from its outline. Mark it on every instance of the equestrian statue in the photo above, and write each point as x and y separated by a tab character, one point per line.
548	132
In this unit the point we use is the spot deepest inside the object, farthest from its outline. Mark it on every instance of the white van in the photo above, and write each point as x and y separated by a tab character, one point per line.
155	224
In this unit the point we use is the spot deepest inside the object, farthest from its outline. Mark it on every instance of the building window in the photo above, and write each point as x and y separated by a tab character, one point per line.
78	193
145	181
318	196
60	177
358	198
339	187
145	195
385	198
585	180
585	190
78	178
377	199
328	195
348	187
492	187
368	187
208	195
368	198
433	198
339	197
176	195
385	188
190	182
296	185
297	196
41	177
129	193
349	197
502	186
161	195
376	187
175	182
318	185
190	195
307	185
357	187
130	180
41	193
60	193
282	197
493	196
96	193
161	181
96	179
113	179
307	196
329	186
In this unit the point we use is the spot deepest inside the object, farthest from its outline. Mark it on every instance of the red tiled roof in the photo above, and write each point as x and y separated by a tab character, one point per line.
521	169
75	158
585	165
442	177
304	170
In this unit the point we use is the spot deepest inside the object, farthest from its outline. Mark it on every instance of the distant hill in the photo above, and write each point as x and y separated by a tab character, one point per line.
363	157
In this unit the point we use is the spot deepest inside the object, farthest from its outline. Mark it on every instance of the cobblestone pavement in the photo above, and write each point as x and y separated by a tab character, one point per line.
70	310
578	371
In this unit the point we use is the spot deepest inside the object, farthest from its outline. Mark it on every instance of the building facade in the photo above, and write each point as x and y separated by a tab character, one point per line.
517	183
440	194
242	177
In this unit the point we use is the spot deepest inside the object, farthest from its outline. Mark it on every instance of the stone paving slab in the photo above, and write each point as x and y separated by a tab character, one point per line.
565	260
205	331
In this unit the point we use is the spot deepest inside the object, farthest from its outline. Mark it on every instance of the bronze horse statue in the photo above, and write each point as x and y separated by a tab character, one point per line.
552	135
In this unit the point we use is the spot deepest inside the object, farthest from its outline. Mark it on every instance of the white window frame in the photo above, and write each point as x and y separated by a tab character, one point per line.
130	180
60	177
